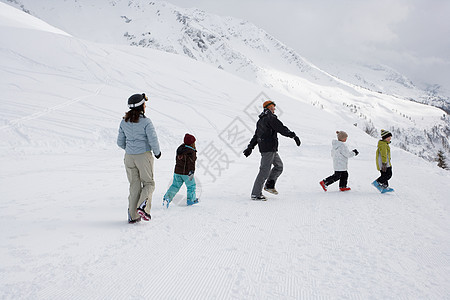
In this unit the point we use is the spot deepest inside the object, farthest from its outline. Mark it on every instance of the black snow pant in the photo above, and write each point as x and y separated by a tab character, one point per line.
342	176
385	176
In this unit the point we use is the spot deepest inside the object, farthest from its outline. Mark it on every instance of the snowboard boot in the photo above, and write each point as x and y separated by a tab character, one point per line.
145	216
378	186
134	221
141	211
323	185
272	191
344	189
384	188
387	190
131	221
166	202
270	187
190	202
259	198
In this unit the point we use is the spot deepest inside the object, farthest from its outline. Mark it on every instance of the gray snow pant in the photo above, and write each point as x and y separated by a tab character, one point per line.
140	176
267	172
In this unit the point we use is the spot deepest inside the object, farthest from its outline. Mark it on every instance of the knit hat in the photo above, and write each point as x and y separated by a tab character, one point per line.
135	101
341	135
268	103
189	139
385	134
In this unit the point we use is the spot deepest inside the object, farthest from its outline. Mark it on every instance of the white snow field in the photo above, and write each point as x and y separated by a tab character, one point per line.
63	189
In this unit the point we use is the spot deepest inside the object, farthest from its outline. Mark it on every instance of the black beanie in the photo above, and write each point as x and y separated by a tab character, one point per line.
385	134
136	101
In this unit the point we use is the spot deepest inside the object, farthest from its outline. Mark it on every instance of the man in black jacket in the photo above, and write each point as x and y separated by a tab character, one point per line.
265	136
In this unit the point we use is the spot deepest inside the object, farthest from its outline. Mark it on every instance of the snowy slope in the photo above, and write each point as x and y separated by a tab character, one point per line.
63	189
8	16
243	49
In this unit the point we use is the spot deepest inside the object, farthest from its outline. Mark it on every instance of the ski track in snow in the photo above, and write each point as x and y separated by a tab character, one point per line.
46	111
63	203
354	245
301	244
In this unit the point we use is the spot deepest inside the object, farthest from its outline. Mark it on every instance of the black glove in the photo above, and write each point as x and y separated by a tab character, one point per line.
158	156
297	140
247	152
191	175
384	167
356	151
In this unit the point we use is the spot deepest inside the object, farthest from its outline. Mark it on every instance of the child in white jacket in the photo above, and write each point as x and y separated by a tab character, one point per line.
340	154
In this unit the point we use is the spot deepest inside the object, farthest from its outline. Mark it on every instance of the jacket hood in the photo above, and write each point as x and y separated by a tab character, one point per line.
336	144
184	148
383	141
265	112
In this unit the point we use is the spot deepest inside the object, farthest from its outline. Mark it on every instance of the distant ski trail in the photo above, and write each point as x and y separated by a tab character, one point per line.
46	111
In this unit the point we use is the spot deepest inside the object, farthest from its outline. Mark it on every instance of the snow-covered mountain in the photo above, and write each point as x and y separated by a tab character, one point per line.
231	44
242	49
383	79
63	186
224	42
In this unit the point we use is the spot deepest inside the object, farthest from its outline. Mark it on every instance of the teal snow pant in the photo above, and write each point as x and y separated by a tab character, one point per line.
178	181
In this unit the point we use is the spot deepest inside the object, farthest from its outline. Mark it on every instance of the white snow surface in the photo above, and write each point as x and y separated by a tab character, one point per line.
10	17
63	188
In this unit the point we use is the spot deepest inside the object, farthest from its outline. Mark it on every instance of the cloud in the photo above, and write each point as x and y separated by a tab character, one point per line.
392	32
426	31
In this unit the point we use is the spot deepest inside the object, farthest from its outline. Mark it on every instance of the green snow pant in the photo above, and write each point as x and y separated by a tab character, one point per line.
140	176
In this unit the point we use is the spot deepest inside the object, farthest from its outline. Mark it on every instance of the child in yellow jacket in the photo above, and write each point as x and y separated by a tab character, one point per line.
383	160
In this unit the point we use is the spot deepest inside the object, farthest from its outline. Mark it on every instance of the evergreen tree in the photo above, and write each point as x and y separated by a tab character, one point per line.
441	160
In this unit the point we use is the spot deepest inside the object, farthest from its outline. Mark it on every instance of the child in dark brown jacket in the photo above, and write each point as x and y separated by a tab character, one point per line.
184	172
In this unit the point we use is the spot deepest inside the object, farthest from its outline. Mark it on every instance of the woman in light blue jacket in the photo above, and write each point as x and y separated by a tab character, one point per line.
138	138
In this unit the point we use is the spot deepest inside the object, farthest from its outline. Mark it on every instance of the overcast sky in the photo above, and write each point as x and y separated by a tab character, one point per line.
412	36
